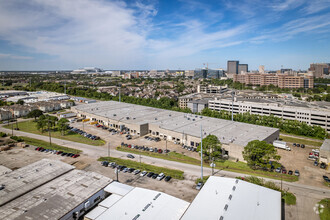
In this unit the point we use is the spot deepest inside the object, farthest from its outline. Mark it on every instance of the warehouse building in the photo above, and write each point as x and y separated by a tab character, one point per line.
174	126
126	202
50	189
230	199
25	179
325	152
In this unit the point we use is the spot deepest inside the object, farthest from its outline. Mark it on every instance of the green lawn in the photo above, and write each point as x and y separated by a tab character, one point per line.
177	174
301	141
302	136
44	144
289	198
30	126
325	211
239	167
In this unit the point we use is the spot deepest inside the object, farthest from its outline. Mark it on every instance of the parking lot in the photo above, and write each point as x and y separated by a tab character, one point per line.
297	159
19	157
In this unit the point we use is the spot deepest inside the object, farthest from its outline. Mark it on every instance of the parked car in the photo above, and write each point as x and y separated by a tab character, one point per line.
143	173
278	169
168	178
296	172
130	170
150	174
284	171
326	178
160	151
316	163
160	176
136	172
290	172
76	155
125	170
130	156
155	176
323	165
302	146
105	163
199	186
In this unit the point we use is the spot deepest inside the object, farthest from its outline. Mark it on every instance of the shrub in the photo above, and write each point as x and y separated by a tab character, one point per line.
3	134
18	139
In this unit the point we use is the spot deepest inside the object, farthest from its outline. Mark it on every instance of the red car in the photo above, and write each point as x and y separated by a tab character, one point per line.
129	146
59	152
98	126
284	171
76	155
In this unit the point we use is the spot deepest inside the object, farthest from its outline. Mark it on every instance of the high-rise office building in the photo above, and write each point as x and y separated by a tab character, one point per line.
243	68
320	69
232	67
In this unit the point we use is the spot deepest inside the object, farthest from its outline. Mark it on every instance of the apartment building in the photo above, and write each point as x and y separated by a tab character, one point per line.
280	80
320	117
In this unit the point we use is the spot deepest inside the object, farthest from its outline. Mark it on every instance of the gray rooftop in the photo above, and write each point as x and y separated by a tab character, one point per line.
56	198
227	131
326	145
4	170
25	179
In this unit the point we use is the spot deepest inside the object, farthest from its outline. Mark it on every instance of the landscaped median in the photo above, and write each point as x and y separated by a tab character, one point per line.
324	209
30	127
46	145
177	174
239	167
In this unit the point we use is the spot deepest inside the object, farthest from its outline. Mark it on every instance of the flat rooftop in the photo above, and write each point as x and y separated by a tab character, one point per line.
189	124
4	170
25	179
234	199
140	203
56	198
326	145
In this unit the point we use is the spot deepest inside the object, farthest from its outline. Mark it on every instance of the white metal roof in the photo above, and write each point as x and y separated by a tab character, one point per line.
118	188
110	201
96	212
146	204
234	199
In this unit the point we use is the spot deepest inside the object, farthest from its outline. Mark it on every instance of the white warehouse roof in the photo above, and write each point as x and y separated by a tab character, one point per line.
232	199
140	203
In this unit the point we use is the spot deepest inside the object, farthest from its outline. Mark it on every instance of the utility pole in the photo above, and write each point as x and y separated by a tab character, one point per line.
65	87
12	126
201	153
166	146
119	93
108	149
232	106
212	166
50	138
83	126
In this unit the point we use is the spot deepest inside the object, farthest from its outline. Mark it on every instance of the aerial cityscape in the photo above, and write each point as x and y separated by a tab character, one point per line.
178	109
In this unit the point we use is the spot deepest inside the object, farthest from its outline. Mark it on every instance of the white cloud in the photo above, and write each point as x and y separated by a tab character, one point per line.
15	57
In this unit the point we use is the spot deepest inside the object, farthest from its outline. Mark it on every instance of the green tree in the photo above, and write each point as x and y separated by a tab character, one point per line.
35	114
259	153
211	147
62	125
20	102
42	123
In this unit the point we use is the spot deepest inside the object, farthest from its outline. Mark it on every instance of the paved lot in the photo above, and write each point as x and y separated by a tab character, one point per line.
296	159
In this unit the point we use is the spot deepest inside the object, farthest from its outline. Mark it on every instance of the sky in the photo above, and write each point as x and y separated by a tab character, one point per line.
163	34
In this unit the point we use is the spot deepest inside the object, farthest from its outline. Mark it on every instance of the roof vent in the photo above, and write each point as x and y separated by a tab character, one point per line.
156	197
230	197
156	118
136	217
221	218
234	188
236	181
114	115
226	207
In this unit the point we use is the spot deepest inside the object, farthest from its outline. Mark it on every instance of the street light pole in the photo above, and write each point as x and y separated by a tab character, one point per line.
109	149
201	153
50	138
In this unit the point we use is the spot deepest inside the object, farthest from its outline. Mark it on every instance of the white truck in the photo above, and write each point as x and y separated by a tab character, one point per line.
281	145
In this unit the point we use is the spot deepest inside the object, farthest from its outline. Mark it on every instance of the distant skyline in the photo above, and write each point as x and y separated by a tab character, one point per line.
163	34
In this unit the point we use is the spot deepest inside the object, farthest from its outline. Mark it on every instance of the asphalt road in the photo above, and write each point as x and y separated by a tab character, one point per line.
307	196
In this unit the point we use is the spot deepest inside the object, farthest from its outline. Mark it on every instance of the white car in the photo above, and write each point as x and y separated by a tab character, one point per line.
125	170
160	176
136	171
143	173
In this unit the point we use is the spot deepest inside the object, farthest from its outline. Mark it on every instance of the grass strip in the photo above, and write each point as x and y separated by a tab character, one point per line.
177	174
30	127
239	167
301	141
289	198
44	144
324	209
